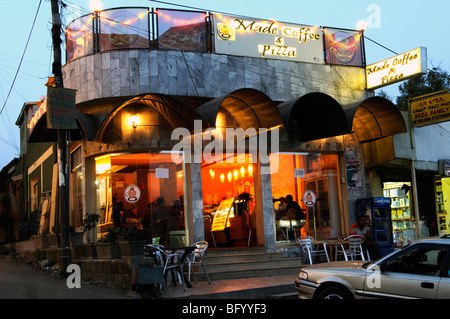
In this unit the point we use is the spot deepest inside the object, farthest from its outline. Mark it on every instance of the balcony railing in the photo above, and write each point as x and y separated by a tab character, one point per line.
167	29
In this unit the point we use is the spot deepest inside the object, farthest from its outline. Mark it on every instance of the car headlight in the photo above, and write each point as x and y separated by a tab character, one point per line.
303	275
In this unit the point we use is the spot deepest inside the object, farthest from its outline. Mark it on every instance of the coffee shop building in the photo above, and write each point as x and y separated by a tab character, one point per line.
219	118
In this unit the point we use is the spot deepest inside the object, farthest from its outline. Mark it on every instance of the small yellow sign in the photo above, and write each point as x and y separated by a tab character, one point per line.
430	110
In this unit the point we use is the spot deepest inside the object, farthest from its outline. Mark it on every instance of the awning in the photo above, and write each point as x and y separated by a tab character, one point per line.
86	124
250	108
175	112
315	115
374	118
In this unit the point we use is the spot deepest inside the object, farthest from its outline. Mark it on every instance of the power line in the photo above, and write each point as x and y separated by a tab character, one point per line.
21	60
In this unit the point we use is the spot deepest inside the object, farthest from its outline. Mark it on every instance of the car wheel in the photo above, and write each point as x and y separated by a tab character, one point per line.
334	293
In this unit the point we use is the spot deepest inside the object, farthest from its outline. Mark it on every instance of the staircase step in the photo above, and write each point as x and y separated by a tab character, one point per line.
221	258
244	264
246	272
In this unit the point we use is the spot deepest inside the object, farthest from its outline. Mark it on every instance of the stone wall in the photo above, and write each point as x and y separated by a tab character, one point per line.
134	72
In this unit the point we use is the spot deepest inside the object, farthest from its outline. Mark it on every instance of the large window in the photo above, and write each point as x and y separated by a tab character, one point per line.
295	174
147	190
181	30
124	28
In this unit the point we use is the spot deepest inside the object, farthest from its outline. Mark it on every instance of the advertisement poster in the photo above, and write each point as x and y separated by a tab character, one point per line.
343	47
353	169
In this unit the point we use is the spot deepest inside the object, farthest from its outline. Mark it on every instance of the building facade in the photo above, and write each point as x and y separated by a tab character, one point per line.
195	126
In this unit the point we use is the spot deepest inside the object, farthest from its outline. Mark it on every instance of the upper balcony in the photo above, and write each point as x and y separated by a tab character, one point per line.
125	52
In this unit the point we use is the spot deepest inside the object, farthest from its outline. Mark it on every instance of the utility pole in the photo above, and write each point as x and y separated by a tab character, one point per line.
62	141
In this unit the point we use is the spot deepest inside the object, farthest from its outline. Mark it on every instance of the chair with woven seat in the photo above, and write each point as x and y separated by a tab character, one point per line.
195	258
351	246
310	246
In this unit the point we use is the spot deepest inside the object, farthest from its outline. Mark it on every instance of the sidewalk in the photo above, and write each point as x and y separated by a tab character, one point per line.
245	288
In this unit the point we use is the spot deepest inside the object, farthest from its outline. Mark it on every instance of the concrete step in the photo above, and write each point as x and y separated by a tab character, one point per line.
246	272
225	258
268	262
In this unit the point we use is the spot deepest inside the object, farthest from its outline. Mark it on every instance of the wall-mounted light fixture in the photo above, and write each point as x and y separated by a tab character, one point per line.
133	121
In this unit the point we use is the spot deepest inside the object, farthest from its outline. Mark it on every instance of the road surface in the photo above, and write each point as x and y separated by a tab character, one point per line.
18	281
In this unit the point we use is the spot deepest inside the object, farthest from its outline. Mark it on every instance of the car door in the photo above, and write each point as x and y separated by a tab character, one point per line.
414	272
444	284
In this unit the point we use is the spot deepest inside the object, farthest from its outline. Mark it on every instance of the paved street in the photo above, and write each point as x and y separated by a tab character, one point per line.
18	280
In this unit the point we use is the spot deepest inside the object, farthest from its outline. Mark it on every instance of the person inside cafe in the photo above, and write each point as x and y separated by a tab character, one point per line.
362	227
117	214
293	211
160	215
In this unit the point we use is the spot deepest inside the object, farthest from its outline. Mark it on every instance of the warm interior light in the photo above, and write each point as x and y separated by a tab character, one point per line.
133	121
229	176
242	171
235	174
222	178
250	169
212	173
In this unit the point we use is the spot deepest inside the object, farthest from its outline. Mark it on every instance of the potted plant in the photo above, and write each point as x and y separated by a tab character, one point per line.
89	228
132	245
107	247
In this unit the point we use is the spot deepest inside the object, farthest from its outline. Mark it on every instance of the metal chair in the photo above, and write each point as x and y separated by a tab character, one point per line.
351	246
311	246
195	258
166	260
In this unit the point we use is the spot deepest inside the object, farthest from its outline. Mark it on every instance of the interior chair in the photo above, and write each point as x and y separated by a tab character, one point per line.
195	258
351	246
312	247
166	260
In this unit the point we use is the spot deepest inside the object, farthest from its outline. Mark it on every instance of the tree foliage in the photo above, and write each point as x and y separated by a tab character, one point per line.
435	80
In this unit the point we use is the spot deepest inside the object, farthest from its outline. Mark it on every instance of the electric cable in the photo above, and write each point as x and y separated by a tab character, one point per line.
23	55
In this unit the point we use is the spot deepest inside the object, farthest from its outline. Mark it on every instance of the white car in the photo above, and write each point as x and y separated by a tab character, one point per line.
419	270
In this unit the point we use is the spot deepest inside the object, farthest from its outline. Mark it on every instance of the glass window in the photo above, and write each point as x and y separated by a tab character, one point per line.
421	260
124	28
79	38
144	190
293	174
181	30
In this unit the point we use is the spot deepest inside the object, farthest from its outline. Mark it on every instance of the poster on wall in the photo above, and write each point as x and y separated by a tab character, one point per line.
267	39
343	47
353	169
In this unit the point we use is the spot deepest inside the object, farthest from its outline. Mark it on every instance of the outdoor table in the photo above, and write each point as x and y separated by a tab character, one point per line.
185	252
331	245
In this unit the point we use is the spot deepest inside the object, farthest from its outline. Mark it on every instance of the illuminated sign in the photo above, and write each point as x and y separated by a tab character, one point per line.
268	39
37	115
430	110
398	68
